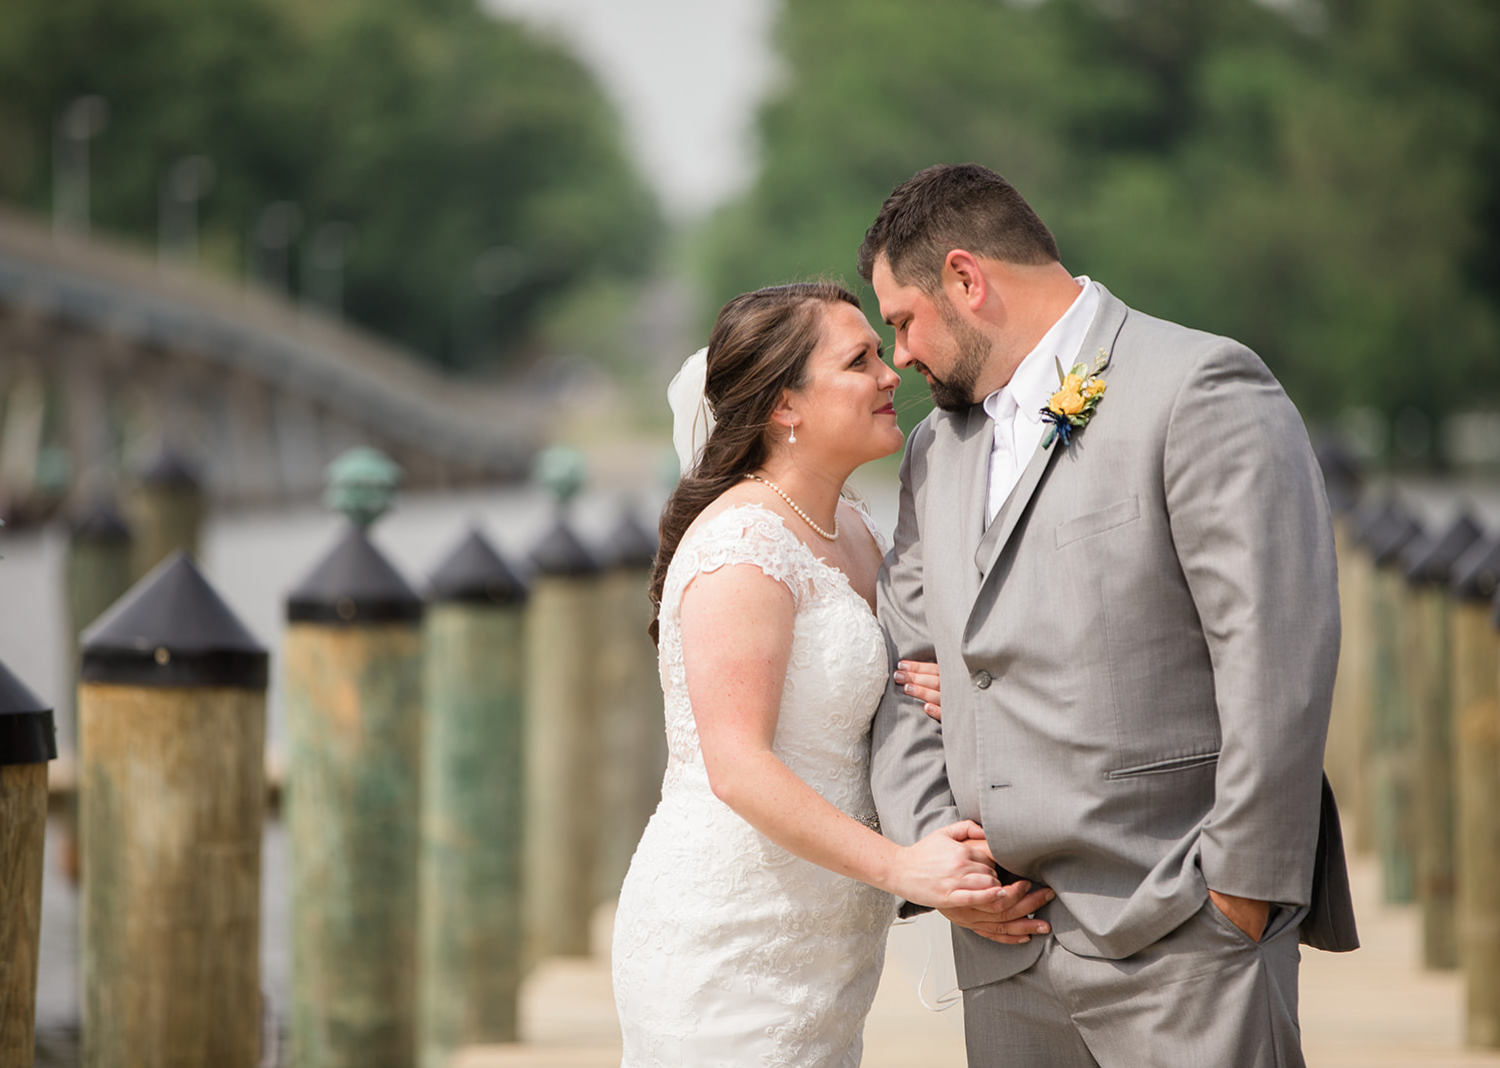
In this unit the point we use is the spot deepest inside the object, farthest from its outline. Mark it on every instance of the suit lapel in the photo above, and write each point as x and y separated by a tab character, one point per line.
1102	333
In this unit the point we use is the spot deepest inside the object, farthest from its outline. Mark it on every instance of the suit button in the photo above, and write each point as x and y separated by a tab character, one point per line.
982	680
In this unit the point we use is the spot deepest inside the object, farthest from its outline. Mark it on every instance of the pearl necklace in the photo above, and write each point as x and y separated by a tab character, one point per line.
805	517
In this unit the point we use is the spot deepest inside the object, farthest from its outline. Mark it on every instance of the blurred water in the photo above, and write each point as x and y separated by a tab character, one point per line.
253	559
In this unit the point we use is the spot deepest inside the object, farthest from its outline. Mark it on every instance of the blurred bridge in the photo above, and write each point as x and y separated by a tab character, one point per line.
107	356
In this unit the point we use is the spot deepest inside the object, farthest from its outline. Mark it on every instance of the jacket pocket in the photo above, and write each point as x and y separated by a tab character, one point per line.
1163	767
1091	523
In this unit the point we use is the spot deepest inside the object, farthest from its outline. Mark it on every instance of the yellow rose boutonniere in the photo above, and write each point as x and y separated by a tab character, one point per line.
1072	406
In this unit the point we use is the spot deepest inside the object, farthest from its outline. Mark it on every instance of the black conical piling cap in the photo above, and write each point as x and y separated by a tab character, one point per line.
560	553
474	573
354	583
631	545
172	629
1476	575
101	525
170	470
1394	532
1341	475
1413	551
27	733
1367	519
1434	564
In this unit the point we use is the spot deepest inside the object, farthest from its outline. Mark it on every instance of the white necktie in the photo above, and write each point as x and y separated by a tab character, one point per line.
1004	470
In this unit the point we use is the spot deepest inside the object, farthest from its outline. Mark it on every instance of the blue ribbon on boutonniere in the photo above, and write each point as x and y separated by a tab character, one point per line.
1078	395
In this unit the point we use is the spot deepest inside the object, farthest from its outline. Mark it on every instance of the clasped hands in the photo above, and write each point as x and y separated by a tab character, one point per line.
1000	913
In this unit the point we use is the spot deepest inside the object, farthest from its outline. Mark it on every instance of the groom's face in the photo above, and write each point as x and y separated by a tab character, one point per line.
950	353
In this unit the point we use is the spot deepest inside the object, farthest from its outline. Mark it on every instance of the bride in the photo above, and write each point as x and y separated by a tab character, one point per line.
751	927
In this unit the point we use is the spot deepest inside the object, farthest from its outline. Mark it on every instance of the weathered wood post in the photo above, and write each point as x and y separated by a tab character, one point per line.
27	742
1391	734
1342	757
631	717
472	796
98	574
1357	665
1429	563
562	729
171	788
98	567
166	511
1476	738
354	725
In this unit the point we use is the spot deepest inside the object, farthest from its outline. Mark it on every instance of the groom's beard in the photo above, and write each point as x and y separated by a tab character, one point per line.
955	391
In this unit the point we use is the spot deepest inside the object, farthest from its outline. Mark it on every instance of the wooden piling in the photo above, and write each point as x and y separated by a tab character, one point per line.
98	575
166	512
354	722
470	927
562	746
1429	678
98	567
1476	737
1356	672
27	742
631	716
1392	756
171	711
1342	760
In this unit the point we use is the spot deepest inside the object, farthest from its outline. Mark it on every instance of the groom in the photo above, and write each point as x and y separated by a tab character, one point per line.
1135	615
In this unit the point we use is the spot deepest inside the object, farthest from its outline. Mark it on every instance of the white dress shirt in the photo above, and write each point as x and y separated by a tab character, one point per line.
1016	407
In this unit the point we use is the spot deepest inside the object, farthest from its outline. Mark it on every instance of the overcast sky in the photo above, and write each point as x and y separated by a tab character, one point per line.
686	75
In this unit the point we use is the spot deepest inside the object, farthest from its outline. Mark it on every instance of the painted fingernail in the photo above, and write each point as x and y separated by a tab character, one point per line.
1045	928
909	688
899	676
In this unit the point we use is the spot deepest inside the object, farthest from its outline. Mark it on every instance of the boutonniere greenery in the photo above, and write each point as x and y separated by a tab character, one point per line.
1072	406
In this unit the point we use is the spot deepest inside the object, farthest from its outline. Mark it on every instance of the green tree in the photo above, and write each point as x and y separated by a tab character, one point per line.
1312	179
481	169
483	173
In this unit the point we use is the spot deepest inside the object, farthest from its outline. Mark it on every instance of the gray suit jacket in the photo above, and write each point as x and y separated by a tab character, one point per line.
1137	655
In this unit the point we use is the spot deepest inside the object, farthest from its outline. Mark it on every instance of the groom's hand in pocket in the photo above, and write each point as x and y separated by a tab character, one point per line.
1245	913
1009	920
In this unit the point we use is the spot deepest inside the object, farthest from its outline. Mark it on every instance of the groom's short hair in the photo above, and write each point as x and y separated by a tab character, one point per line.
953	206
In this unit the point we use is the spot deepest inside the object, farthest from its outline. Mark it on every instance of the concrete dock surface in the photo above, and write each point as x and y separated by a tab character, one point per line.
1374	1008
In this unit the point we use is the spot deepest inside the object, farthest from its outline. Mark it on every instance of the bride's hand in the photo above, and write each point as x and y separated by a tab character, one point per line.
950	868
919	679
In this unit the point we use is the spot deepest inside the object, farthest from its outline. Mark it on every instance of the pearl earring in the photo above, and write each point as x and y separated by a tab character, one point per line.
792	437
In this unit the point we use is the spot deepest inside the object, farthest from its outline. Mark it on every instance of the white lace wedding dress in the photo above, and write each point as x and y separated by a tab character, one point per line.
728	950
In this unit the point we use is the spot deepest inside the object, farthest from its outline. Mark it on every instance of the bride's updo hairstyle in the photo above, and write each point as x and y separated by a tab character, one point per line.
759	347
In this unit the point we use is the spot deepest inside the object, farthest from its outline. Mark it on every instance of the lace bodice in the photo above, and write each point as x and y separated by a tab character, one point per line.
728	949
841	679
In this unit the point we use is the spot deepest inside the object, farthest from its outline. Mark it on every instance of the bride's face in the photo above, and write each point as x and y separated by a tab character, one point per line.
846	409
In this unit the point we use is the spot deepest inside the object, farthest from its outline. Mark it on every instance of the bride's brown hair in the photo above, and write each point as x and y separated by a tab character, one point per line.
759	347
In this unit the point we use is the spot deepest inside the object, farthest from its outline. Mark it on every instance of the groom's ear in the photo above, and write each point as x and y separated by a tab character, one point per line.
964	279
